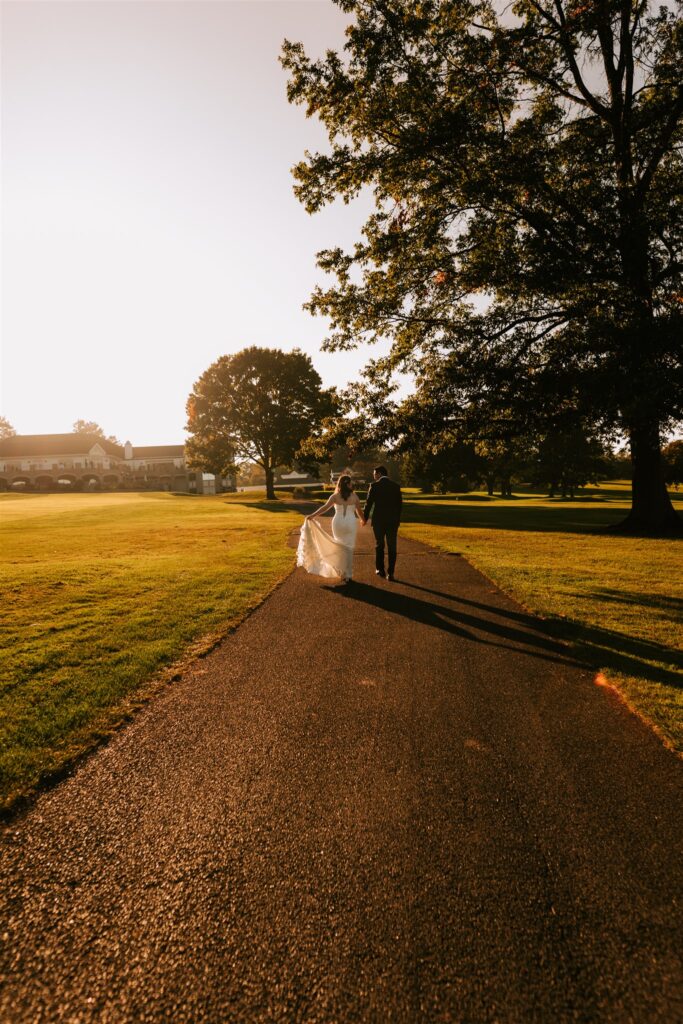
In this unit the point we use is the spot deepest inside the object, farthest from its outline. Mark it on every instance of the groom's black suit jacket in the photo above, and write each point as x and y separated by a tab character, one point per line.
384	495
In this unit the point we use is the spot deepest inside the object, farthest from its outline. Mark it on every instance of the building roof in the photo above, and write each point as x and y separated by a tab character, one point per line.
55	444
163	450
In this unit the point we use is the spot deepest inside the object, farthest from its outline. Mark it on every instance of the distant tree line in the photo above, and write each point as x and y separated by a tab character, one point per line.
561	465
263	411
79	427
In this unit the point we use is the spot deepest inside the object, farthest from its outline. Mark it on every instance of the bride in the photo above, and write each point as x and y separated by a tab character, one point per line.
323	555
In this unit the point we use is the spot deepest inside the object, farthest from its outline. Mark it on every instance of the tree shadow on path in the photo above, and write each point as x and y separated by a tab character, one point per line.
459	623
603	648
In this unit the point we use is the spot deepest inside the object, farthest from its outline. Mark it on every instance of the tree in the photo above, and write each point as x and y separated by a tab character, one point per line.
618	463
569	458
89	427
6	428
452	468
673	463
250	475
499	460
360	462
527	238
256	405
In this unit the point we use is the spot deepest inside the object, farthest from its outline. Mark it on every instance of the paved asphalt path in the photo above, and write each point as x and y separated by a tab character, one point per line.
403	802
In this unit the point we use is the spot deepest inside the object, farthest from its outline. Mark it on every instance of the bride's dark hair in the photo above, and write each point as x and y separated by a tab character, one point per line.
344	486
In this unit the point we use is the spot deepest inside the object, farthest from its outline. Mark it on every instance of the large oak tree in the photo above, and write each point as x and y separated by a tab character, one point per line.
526	249
258	404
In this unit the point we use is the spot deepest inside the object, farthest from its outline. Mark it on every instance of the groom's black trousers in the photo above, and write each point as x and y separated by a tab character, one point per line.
385	531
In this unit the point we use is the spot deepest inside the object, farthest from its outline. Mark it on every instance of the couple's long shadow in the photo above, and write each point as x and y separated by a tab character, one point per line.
603	648
456	622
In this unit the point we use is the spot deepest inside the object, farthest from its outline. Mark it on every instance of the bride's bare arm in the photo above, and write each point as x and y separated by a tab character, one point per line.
359	510
323	508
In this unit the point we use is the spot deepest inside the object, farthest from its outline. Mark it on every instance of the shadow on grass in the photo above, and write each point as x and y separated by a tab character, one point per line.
304	507
604	494
663	602
440	615
601	648
465	497
526	518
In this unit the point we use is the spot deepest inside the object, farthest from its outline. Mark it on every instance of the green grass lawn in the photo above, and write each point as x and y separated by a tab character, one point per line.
620	599
100	593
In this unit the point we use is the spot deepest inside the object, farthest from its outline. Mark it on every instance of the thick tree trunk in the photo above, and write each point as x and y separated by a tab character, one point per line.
651	508
270	489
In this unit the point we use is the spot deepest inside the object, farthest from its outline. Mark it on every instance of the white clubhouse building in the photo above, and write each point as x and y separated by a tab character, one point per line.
48	462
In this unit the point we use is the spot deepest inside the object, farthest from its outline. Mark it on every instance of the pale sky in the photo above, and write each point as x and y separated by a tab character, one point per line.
148	219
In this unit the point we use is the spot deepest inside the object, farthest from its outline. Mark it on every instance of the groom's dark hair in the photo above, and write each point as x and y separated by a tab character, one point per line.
380	470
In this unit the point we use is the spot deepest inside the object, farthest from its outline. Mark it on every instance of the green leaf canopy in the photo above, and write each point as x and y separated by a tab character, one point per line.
526	247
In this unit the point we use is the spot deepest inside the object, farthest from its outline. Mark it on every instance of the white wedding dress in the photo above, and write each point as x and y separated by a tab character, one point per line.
322	555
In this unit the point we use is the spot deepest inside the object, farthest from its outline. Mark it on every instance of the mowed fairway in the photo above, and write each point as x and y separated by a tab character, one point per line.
620	599
100	592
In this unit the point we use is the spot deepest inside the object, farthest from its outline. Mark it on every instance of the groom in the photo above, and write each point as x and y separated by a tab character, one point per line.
384	495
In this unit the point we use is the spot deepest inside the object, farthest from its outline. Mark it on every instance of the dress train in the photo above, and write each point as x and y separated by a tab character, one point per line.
322	555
